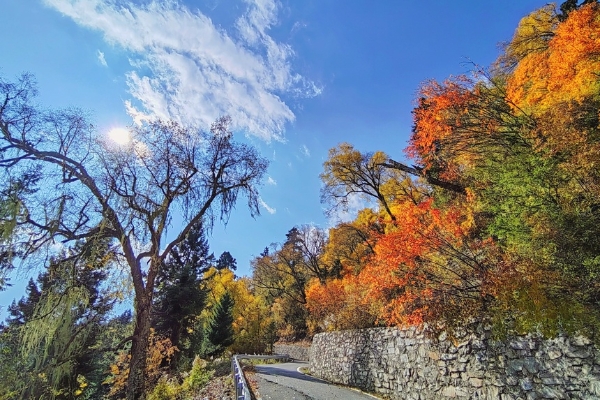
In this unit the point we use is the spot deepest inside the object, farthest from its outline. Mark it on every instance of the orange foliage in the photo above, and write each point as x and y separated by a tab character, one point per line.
426	268
339	304
566	71
439	113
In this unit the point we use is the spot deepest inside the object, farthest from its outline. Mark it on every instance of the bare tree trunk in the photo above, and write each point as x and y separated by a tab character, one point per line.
136	382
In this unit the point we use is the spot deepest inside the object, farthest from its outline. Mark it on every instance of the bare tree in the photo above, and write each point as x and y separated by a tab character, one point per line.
88	186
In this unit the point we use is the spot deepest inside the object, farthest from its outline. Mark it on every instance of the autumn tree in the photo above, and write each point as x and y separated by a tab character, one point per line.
126	194
374	177
252	316
348	172
340	304
519	144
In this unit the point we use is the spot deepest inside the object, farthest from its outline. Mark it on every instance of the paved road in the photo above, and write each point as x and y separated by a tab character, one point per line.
284	382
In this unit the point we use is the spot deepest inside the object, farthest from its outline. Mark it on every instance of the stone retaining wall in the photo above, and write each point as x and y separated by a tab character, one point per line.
297	351
404	364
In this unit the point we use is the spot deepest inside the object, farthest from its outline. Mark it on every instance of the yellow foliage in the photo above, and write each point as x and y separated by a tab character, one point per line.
531	36
160	350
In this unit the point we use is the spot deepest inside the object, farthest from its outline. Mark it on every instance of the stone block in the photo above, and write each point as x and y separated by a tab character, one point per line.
449	391
476	382
551	393
594	388
531	365
514	365
519	344
458	367
551	381
578	352
554	353
448	357
492	393
512	380
475	373
580	341
526	384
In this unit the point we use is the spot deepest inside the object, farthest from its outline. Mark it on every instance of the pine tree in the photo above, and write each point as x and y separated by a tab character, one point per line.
180	297
220	328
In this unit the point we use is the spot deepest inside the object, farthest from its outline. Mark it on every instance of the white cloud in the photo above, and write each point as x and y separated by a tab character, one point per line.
348	213
101	58
270	210
186	68
271	181
305	151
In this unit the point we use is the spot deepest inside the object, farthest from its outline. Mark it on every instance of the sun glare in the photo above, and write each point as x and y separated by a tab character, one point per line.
119	135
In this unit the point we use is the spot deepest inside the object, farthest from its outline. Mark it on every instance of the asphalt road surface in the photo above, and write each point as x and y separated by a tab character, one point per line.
284	382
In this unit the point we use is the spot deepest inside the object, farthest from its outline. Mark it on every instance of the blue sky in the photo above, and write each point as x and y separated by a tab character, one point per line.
296	76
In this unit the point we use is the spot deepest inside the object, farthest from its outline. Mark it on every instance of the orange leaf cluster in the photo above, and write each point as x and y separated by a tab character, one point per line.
566	71
436	118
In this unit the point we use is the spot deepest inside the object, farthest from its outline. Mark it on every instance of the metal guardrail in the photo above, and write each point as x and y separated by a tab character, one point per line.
242	392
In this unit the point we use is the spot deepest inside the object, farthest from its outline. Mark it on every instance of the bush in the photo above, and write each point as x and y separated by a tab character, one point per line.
197	378
164	390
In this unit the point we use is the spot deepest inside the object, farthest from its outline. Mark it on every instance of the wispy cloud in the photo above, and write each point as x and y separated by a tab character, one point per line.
350	211
184	67
271	181
101	58
305	151
264	205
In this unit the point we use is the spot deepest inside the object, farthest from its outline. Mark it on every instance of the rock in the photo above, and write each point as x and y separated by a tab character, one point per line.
554	353
551	393
580	341
584	352
526	384
492	393
476	382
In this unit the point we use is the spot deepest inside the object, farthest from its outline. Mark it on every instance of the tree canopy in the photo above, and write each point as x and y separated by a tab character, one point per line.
127	194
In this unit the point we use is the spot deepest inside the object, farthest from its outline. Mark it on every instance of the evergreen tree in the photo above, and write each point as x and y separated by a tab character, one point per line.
180	296
220	328
22	311
226	260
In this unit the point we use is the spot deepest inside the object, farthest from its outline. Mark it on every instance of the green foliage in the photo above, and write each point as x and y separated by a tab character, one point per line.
220	329
93	190
180	295
53	332
164	390
196	379
522	141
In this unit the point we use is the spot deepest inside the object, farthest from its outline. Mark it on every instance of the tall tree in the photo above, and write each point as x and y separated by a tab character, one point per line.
226	260
180	296
128	194
220	329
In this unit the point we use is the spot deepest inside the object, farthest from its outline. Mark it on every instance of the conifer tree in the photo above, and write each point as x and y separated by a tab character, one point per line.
180	296
220	328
